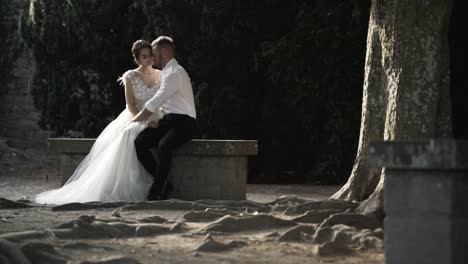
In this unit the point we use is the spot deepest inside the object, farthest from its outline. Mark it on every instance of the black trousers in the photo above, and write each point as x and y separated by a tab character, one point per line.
173	131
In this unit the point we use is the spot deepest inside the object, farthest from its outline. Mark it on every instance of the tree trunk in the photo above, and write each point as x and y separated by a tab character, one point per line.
406	87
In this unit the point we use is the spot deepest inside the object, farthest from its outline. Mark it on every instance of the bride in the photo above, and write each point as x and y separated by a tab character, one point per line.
111	171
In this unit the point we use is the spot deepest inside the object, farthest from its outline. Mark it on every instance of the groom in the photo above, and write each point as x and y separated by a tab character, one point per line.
175	96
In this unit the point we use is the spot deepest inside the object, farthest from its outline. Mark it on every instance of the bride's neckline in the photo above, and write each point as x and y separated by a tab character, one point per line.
148	86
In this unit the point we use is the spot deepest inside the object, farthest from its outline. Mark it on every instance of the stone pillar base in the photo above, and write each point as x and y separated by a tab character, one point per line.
425	200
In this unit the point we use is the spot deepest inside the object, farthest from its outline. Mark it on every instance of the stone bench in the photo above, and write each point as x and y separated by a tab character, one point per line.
201	169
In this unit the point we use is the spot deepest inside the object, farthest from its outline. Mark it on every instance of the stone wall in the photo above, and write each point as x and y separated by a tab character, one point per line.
23	145
18	117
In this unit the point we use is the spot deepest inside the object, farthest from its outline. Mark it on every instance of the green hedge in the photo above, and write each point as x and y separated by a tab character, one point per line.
9	44
286	73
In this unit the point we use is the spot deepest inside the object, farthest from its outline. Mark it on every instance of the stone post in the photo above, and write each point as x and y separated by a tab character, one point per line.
425	200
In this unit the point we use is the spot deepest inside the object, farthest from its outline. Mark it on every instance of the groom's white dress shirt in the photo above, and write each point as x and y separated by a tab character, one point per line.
175	95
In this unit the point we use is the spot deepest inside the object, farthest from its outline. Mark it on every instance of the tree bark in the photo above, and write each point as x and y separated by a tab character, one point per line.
406	86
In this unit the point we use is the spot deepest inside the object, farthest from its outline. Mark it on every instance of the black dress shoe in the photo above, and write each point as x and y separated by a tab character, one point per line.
154	192
167	191
153	197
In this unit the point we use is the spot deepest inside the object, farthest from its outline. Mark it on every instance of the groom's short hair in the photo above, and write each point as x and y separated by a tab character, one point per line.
164	41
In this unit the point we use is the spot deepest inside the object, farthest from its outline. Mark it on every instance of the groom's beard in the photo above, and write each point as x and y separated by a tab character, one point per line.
158	66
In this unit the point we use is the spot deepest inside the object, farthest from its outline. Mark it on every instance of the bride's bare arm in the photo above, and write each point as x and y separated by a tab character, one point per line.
129	97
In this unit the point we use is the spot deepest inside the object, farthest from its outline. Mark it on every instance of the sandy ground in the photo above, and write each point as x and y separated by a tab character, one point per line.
254	231
23	187
258	245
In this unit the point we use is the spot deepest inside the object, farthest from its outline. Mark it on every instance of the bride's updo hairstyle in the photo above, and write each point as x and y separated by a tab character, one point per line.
137	47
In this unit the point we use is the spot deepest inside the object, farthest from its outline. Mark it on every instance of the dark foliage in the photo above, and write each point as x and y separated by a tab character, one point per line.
9	44
286	73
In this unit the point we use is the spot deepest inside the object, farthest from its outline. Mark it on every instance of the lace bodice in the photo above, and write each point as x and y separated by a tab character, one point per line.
141	91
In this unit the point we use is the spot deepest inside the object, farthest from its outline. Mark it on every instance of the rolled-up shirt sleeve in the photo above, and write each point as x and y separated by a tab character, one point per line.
169	85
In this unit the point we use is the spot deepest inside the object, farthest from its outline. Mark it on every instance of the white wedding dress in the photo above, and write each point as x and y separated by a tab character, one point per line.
111	171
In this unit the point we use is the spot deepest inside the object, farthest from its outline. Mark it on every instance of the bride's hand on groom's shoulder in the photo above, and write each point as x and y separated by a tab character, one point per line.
153	123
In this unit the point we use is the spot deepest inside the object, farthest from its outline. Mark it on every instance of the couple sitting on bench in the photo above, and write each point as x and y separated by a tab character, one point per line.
160	114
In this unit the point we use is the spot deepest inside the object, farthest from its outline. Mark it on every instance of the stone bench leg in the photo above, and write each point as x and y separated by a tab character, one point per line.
209	177
201	168
194	177
68	164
